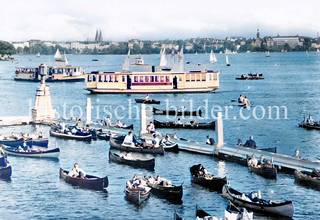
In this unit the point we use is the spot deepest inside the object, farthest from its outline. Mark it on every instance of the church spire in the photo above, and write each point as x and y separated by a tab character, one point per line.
258	33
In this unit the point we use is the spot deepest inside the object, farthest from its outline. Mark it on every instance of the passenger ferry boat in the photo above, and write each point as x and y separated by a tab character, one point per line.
158	80
60	71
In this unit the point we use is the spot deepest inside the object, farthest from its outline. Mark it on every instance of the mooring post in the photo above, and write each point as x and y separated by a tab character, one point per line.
88	111
143	124
219	132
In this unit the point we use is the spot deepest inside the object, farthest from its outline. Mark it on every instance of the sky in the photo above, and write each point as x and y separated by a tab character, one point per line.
121	20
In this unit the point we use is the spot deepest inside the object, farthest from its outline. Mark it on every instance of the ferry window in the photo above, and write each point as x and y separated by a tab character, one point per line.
105	78
198	77
135	79
215	76
89	78
151	78
94	78
146	78
157	79
203	76
193	77
100	78
162	78
123	78
210	77
111	78
116	78
141	78
75	70
188	77
167	79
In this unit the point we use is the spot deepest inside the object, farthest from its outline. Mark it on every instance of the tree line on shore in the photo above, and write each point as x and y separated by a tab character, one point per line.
122	48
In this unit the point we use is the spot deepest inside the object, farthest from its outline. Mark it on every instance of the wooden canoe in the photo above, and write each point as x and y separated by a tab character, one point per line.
137	195
177	112
12	142
284	208
148	163
307	179
147	101
173	125
50	153
266	170
86	137
90	182
116	143
171	193
5	172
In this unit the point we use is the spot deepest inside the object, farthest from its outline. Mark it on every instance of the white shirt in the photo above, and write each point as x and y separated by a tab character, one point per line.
107	121
120	124
76	172
128	139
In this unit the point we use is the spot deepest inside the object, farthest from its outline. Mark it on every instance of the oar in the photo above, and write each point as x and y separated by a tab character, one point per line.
233	100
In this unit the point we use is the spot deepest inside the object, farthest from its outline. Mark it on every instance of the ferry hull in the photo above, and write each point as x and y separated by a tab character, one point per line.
127	91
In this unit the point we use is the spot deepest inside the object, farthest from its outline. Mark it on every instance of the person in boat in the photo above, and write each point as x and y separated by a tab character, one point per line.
14	136
178	122
40	134
250	143
210	141
253	161
241	99
296	154
77	172
155	141
247	102
239	142
3	159
184	108
148	97
151	128
310	120
192	123
128	140
120	124
107	121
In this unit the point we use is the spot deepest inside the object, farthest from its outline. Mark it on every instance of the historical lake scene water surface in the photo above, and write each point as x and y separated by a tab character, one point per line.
160	110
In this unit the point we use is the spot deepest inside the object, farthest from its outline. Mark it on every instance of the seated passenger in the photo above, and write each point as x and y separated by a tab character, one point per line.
128	140
296	155
239	142
148	97
250	143
77	172
253	162
210	141
155	141
178	122
120	124
107	121
151	128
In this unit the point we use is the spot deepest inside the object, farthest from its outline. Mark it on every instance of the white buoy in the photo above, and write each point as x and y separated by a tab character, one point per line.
143	124
88	111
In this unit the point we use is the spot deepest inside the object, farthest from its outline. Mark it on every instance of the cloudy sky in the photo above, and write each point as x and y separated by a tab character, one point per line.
155	19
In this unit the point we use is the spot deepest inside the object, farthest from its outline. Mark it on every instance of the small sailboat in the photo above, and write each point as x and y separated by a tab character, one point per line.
227	61
196	53
318	51
213	58
38	54
163	60
268	54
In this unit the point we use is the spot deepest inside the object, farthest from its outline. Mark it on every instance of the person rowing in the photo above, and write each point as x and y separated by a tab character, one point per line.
128	140
210	141
120	124
178	122
155	141
241	99
250	143
151	128
107	121
148	97
77	172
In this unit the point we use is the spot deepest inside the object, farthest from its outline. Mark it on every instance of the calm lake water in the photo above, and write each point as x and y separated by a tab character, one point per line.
291	80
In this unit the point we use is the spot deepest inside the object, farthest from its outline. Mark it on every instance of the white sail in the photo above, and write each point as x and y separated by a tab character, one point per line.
58	56
65	59
181	60
227	60
213	58
268	54
163	60
126	65
38	54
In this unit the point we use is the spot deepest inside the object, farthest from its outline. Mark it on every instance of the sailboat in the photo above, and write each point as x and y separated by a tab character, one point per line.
163	60
268	54
58	56
212	58
318	51
126	65
227	61
38	54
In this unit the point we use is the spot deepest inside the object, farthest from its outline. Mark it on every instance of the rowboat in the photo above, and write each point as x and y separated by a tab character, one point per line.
53	153
104	135
201	214
234	213
137	195
130	127
151	101
146	163
176	112
116	143
12	142
284	208
171	147
41	142
310	126
5	168
266	170
159	124
207	180
251	76
311	180
83	137
169	192
89	182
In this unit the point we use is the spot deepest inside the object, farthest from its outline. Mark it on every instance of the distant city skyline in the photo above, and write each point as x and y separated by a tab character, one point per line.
121	20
